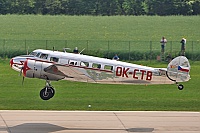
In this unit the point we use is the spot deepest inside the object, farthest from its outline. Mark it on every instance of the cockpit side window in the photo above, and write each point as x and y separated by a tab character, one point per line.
43	56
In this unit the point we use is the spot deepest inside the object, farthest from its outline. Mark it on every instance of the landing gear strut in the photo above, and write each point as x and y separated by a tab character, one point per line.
180	86
47	92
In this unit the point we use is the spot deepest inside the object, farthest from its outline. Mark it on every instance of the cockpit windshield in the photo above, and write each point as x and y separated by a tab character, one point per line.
33	53
39	55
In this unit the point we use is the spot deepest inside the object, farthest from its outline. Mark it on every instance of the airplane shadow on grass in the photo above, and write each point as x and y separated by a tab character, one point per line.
49	128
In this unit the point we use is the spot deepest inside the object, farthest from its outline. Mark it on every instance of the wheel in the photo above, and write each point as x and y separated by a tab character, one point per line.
46	95
180	87
51	91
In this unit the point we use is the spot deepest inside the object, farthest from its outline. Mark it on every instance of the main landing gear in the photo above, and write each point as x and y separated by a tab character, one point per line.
47	92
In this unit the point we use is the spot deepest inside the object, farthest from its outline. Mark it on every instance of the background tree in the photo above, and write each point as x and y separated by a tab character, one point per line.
196	7
52	7
101	7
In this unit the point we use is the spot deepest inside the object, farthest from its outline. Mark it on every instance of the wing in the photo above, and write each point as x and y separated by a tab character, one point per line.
72	73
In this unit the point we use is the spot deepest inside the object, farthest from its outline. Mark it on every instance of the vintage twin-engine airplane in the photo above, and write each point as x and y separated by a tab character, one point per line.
54	65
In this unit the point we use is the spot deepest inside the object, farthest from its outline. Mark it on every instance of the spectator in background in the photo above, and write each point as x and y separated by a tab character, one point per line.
163	42
183	43
75	50
115	57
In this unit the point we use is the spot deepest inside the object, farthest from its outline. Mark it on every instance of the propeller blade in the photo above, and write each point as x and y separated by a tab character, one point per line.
23	80
20	73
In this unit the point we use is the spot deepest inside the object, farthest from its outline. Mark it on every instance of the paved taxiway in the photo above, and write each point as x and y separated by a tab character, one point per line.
98	122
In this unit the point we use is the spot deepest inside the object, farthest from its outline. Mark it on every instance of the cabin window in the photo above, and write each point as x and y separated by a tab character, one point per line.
86	64
94	65
107	67
73	62
54	59
43	56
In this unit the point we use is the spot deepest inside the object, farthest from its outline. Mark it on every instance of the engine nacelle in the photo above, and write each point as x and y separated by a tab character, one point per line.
35	69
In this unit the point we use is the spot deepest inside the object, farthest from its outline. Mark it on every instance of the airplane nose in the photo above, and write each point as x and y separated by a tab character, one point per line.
17	63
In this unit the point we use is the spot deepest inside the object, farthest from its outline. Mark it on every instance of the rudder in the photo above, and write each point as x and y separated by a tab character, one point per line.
178	69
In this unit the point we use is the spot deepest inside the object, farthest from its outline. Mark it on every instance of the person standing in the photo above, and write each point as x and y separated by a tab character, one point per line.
75	50
163	42
183	44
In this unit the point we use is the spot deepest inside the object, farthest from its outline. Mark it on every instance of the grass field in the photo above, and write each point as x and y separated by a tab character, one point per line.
98	33
77	96
123	28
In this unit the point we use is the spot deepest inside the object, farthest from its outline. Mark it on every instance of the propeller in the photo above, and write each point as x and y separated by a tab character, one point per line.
23	80
20	74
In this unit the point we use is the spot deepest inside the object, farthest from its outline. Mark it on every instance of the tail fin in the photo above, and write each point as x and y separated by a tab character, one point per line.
178	69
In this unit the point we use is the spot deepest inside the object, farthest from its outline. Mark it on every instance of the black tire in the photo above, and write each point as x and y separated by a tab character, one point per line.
44	96
180	87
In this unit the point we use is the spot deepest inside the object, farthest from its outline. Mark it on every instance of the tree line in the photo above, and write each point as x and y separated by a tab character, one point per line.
101	7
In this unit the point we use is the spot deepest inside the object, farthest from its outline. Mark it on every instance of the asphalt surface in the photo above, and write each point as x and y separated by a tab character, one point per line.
99	122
